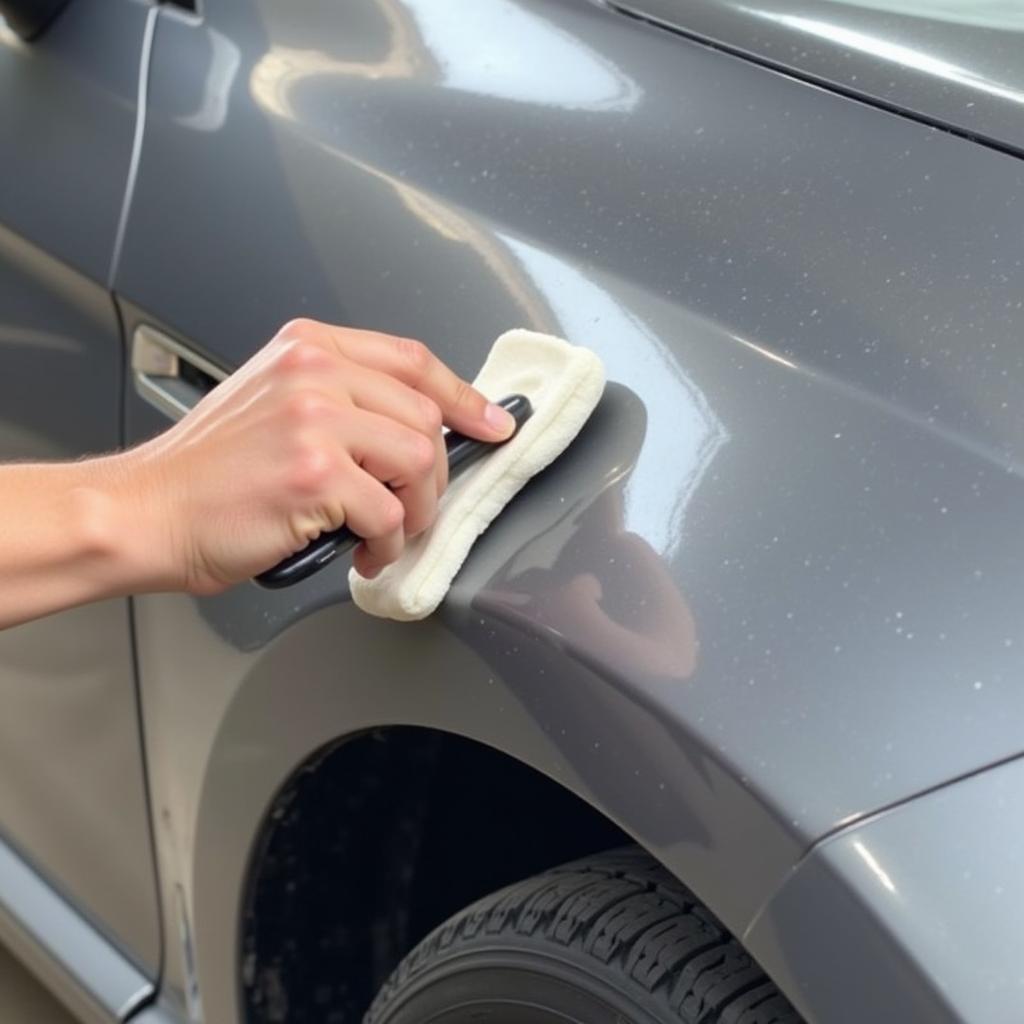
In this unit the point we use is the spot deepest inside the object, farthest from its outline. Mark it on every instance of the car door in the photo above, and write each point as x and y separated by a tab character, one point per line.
73	808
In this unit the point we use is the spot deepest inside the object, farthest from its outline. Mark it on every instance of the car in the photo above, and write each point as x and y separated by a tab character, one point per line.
721	719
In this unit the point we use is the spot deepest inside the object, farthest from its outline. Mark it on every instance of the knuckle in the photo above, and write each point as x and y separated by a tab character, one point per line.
464	394
386	514
300	355
312	469
430	415
422	454
299	327
414	354
390	515
304	407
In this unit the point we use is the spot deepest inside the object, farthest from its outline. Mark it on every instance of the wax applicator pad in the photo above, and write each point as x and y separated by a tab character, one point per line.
564	383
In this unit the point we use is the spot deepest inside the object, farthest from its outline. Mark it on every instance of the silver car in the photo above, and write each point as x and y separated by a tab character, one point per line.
722	720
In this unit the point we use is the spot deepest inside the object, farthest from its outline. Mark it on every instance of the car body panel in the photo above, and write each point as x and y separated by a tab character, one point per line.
68	121
93	978
799	498
954	64
69	733
942	876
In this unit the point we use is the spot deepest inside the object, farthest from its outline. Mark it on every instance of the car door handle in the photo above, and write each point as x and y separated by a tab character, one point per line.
169	375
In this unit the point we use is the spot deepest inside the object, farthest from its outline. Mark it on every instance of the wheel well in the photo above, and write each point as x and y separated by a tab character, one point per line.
374	842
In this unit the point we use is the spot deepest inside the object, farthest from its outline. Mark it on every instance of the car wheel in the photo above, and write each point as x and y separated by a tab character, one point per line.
612	939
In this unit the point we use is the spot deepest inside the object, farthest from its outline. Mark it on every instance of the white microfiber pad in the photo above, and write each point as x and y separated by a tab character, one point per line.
564	383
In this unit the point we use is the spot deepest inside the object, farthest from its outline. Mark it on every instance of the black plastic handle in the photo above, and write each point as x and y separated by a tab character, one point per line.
462	453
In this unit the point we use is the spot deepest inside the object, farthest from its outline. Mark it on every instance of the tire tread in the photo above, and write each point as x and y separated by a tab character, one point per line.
620	909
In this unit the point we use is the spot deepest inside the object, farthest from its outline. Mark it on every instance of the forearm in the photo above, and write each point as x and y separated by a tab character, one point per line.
323	427
70	533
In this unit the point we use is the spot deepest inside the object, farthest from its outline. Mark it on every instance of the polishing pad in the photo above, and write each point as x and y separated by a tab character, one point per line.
563	383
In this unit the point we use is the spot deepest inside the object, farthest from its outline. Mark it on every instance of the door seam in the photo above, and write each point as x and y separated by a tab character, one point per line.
148	32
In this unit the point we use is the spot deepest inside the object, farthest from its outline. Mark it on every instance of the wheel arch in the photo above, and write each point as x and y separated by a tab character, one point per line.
376	840
588	734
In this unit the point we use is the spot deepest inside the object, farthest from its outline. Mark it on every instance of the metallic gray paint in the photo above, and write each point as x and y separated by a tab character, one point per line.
157	1014
954	64
931	892
67	115
92	977
69	733
801	499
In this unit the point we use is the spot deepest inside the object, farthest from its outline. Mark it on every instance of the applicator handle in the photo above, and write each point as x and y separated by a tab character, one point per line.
462	453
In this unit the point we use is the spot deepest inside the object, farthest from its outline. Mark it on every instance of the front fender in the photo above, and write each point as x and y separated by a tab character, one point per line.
726	692
912	916
514	660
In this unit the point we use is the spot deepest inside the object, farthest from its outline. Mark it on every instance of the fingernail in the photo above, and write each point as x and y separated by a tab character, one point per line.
499	419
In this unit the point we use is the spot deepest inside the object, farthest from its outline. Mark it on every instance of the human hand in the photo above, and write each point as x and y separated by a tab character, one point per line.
325	426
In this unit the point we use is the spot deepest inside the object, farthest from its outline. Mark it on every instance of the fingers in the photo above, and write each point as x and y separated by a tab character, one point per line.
404	459
383	401
378	393
376	515
462	407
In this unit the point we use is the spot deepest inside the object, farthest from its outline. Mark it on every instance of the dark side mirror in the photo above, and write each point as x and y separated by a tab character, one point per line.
27	18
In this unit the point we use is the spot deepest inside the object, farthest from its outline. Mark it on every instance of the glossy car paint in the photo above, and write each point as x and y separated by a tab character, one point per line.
68	118
73	799
799	497
955	64
943	878
62	948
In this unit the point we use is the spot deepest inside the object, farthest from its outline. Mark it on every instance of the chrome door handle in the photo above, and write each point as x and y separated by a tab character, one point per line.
169	375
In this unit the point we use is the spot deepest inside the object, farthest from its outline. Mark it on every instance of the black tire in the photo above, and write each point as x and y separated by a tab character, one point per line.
612	939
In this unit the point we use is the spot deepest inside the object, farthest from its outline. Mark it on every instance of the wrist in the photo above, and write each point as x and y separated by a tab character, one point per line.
122	521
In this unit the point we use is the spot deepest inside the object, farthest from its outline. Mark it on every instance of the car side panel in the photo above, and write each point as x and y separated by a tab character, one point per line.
943	876
73	800
67	118
798	503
